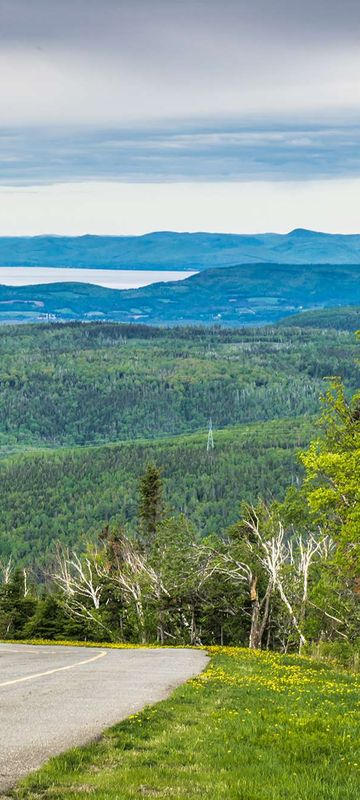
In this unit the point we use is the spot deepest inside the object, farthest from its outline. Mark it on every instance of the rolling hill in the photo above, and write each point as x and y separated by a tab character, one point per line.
61	494
345	318
170	250
84	408
247	294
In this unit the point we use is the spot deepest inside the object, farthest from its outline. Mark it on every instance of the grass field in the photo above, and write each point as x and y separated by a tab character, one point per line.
253	726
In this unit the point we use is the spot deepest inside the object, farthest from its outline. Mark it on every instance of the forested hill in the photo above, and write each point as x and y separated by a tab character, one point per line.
100	382
247	294
344	318
170	250
84	407
65	493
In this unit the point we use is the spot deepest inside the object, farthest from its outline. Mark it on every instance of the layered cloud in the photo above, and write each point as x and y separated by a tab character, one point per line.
185	92
258	152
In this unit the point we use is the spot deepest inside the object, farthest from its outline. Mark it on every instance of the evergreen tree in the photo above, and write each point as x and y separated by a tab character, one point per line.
151	503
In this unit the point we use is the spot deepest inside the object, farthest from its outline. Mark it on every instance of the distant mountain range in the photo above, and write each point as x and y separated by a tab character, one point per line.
168	250
247	294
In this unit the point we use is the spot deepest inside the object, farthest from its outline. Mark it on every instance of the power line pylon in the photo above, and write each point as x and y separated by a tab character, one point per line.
210	439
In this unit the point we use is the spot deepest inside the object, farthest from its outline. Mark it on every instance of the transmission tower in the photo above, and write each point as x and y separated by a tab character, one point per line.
210	439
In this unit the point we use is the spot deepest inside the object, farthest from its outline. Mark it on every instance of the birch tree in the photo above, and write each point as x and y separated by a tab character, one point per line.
80	580
6	569
266	563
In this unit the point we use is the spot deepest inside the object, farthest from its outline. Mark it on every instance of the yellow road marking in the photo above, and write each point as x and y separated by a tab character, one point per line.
52	671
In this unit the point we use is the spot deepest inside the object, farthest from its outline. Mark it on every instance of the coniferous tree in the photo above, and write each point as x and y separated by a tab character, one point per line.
151	503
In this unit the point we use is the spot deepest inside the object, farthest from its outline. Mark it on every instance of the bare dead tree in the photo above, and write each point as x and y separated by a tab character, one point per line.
276	552
130	571
273	554
307	552
26	585
80	582
190	584
241	574
6	569
284	566
143	580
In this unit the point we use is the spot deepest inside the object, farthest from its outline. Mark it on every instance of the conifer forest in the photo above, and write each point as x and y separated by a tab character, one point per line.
180	486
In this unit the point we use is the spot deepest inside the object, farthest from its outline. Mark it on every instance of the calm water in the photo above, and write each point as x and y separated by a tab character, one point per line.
111	278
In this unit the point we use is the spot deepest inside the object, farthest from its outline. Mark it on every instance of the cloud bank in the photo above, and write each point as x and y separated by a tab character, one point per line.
190	93
258	152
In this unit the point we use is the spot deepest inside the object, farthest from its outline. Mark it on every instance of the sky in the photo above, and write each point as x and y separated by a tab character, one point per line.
124	117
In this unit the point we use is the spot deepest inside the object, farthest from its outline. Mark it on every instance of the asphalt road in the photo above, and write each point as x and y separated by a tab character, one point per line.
53	698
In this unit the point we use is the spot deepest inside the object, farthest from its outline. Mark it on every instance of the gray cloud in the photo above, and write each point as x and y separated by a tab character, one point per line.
107	62
172	90
103	21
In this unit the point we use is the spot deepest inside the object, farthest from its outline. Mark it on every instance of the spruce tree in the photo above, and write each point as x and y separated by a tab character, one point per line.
151	503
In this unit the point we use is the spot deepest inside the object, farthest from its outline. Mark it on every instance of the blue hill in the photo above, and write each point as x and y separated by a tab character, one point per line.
246	294
180	251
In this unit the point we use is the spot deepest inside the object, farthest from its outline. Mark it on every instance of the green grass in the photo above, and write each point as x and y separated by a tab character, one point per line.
253	726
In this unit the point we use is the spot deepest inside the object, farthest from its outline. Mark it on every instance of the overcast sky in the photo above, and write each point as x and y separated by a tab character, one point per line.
257	97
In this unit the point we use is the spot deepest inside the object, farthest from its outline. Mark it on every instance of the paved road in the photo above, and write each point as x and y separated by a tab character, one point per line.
53	698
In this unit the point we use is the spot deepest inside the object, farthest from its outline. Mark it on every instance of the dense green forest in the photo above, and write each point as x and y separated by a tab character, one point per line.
146	394
95	383
68	494
343	318
251	538
284	576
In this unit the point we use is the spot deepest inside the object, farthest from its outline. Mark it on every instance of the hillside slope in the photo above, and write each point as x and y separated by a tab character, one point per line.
84	408
66	494
89	384
346	318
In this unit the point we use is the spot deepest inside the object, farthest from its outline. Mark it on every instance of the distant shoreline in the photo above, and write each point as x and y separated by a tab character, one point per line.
108	278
